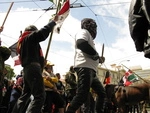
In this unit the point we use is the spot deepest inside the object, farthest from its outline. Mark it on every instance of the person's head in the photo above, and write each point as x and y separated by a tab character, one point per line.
71	69
58	75
90	25
31	28
49	66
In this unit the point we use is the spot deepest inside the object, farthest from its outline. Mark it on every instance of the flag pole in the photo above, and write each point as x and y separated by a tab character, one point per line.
102	49
50	39
135	74
7	13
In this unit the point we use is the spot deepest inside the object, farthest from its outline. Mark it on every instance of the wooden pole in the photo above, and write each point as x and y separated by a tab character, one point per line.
50	39
7	13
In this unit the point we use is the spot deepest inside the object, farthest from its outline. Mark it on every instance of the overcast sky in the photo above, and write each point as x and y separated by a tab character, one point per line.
113	30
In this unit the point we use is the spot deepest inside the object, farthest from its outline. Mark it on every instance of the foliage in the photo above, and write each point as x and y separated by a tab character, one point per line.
9	72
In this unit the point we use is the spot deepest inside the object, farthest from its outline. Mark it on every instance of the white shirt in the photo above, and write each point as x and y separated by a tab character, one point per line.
82	59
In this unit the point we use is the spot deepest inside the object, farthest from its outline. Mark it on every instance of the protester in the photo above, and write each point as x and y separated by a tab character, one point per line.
86	63
53	98
16	92
4	55
32	61
71	85
61	90
60	86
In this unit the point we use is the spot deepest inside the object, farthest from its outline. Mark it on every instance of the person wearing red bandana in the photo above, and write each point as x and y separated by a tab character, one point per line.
32	61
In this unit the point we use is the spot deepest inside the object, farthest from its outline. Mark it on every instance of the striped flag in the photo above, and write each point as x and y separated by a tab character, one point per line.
62	15
129	78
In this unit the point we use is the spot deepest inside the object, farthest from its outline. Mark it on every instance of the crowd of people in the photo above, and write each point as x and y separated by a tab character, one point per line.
39	90
59	93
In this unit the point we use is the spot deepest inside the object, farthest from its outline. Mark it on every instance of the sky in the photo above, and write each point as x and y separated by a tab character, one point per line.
111	17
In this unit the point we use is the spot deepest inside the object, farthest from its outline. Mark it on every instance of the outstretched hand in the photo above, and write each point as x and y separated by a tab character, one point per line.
1	29
55	18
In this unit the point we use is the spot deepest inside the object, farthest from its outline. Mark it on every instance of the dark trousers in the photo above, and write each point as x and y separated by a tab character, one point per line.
87	79
55	98
33	84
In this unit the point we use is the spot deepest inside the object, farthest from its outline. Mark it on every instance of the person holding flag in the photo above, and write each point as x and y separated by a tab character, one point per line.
32	61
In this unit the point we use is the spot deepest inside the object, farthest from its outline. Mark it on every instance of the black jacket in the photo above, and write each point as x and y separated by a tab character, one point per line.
139	19
30	48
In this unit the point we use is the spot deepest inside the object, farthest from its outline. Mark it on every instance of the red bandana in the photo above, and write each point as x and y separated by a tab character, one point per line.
23	36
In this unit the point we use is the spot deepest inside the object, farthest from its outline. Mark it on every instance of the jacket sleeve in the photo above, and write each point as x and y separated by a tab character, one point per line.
85	47
47	83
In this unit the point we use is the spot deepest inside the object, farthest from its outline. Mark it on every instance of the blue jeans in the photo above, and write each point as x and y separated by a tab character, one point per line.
87	79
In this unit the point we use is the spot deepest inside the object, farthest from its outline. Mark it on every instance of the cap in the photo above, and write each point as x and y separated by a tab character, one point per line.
49	63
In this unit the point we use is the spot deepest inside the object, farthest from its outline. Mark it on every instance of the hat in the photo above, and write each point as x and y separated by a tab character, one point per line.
49	63
31	28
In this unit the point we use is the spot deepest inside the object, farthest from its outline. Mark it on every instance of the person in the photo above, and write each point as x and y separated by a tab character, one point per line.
60	86
32	61
4	55
61	90
139	25
16	92
71	86
53	98
85	65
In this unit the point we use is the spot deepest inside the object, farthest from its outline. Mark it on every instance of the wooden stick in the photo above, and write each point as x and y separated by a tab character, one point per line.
7	13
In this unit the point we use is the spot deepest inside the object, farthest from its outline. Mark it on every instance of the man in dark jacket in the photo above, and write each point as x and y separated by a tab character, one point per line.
32	61
139	24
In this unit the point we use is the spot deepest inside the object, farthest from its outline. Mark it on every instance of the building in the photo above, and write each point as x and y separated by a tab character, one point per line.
116	75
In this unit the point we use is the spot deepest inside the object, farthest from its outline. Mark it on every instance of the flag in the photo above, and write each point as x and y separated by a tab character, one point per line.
125	81
129	78
58	3
14	54
107	78
54	1
62	15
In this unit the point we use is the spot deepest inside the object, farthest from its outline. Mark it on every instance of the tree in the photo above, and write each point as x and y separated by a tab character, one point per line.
9	72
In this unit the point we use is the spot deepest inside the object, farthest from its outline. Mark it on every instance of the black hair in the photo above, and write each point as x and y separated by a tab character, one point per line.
31	28
90	25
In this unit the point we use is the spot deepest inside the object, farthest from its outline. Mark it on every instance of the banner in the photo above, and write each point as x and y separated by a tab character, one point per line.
14	54
62	15
129	78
